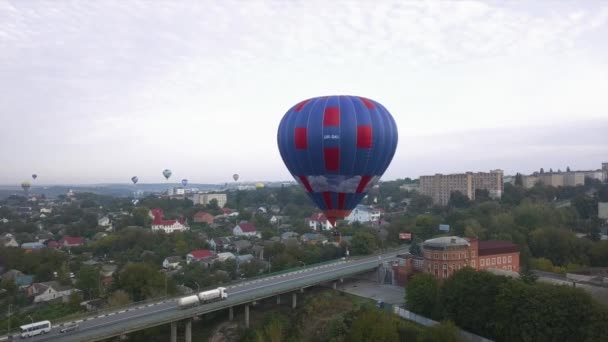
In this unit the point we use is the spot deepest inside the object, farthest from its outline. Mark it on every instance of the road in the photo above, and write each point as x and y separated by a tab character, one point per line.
141	317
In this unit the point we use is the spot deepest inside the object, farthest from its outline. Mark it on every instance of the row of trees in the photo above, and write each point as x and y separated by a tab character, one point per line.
505	309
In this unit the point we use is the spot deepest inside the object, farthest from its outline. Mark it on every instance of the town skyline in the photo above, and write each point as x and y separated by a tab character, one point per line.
100	92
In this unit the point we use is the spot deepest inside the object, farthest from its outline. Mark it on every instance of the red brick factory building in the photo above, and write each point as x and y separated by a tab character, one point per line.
445	255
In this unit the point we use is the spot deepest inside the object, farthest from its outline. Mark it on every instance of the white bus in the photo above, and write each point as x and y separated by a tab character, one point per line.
36	328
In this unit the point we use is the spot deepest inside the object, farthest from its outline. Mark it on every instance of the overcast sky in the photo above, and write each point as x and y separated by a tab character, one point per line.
99	91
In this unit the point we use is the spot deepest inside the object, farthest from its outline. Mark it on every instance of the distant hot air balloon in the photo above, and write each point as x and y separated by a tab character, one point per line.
167	173
235	177
26	186
134	179
34	176
184	182
259	185
337	147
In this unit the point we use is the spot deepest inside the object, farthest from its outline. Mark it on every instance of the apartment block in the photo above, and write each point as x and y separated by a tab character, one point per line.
204	199
440	187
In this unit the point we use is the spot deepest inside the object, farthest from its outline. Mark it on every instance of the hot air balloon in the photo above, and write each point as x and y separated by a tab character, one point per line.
184	182
26	186
337	147
134	179
34	176
259	185
235	177
167	173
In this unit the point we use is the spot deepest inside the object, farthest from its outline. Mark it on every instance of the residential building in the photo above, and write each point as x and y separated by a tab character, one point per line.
276	219
605	167
203	217
8	240
574	178
313	238
172	262
410	187
440	187
20	279
69	241
445	255
597	174
199	255
318	221
529	181
205	199
363	214
167	226
225	256
104	222
241	245
243	259
244	229
218	243
32	246
602	210
48	291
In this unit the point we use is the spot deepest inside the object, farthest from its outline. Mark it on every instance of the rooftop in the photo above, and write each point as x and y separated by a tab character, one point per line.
446	242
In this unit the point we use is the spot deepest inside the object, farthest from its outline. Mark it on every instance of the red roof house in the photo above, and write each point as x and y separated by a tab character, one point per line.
203	217
244	229
199	255
68	241
168	226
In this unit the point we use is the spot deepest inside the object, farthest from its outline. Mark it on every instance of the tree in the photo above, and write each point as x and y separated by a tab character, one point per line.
181	247
88	281
519	179
363	243
459	200
567	168
422	295
467	298
374	325
63	275
444	331
415	248
142	280
118	298
74	300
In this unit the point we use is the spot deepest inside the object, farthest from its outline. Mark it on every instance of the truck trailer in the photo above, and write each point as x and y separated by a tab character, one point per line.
202	298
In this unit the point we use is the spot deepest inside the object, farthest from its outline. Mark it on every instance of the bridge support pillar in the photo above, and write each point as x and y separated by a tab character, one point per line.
189	330
246	315
231	313
173	331
302	290
294	298
335	285
279	300
341	280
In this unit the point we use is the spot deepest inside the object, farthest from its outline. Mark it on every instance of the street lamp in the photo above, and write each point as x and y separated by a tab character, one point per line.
198	287
31	318
8	329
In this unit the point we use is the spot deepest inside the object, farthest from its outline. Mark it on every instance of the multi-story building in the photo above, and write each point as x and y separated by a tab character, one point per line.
363	214
445	255
605	167
574	178
168	226
205	199
440	187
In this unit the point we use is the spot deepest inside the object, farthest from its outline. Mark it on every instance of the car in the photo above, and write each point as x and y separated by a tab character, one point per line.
68	328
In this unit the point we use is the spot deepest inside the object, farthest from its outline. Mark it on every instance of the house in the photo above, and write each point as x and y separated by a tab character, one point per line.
69	241
104	222
225	256
18	278
313	238
100	235
47	291
203	217
172	262
53	244
199	255
107	270
241	245
258	251
363	214
167	226
8	240
276	219
32	246
218	244
244	229
318	221
243	259
289	235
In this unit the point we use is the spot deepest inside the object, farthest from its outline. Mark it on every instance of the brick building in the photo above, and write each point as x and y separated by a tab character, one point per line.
445	255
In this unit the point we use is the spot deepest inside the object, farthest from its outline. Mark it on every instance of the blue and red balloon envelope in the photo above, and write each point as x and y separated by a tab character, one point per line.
337	147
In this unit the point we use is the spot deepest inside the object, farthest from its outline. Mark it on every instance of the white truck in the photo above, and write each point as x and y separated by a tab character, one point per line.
202	298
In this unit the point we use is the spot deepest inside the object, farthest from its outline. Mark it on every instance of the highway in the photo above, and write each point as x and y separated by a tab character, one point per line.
140	317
